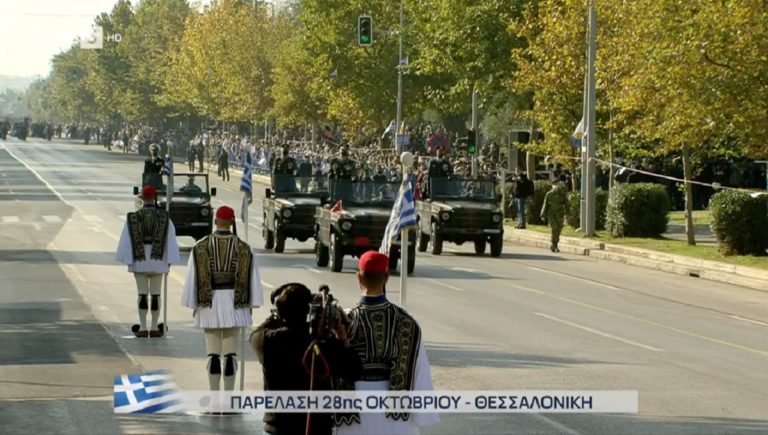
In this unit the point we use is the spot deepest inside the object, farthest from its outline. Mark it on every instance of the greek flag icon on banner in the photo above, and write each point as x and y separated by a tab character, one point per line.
147	393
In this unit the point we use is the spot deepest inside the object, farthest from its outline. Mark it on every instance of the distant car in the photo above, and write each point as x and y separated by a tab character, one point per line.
190	208
353	222
289	209
460	210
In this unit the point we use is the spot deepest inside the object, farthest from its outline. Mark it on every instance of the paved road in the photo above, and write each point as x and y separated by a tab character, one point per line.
696	351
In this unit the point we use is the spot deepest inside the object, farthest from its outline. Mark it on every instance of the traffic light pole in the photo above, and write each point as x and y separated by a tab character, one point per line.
474	128
399	82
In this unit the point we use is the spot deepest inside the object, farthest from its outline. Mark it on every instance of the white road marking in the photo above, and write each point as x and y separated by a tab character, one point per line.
600	333
92	218
267	285
464	269
756	322
10	219
37	227
51	218
309	268
559	426
552	272
434	281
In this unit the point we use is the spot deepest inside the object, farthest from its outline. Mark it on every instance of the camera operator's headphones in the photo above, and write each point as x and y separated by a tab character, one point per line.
278	291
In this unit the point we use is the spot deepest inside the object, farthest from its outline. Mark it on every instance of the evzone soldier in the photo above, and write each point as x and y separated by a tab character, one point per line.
222	286
389	342
148	246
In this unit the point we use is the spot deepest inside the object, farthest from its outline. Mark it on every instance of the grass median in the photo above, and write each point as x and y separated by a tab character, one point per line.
662	244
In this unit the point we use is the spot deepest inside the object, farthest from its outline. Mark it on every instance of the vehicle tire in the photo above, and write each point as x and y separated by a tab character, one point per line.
279	241
497	241
321	254
423	242
435	240
480	246
393	260
336	255
411	260
269	239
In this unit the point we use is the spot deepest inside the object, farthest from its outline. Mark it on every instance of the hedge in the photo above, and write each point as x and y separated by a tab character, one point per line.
535	202
739	222
574	209
638	210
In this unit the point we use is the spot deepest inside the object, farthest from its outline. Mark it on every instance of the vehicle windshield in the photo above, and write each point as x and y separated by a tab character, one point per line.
381	193
288	185
462	188
192	185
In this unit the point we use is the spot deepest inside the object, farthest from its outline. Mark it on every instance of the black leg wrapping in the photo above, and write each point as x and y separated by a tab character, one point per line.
155	302
229	366
214	364
143	305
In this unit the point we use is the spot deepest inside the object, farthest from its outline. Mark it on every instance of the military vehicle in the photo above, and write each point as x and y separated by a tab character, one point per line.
353	221
458	210
289	209
190	207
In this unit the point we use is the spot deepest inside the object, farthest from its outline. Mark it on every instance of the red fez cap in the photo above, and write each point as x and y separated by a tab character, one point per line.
148	192
374	261
225	213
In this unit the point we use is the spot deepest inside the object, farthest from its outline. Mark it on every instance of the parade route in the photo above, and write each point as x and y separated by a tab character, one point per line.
696	351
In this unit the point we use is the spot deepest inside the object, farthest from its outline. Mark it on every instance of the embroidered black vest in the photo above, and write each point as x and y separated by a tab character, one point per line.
223	262
148	226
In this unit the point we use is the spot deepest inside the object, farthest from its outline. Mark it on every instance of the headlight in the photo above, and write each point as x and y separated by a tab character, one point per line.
205	211
496	218
287	212
445	216
346	225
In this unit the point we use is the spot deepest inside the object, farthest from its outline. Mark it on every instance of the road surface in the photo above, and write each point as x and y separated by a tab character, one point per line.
696	351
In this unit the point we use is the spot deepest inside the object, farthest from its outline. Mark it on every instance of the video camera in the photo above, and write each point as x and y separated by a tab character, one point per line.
325	315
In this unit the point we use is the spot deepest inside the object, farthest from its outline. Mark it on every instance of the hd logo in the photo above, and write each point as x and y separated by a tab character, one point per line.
96	40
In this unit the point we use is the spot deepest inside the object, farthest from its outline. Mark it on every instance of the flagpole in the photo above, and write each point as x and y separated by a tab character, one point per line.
406	159
168	196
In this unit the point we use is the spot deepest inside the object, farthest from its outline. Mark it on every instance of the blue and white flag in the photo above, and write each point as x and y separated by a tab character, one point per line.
246	186
578	134
403	216
147	393
168	166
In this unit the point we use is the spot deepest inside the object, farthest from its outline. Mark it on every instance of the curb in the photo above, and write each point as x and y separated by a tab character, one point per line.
743	276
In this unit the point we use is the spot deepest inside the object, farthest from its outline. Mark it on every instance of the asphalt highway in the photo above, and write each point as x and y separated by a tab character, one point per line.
696	351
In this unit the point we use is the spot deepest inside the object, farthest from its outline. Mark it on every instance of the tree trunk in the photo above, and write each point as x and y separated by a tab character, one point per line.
530	165
689	228
611	168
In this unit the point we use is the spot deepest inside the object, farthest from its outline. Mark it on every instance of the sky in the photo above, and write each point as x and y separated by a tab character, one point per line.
32	31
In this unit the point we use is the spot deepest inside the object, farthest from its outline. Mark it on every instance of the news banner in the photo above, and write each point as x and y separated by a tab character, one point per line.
155	393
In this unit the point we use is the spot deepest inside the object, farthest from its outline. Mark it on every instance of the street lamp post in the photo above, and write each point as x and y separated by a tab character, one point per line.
399	81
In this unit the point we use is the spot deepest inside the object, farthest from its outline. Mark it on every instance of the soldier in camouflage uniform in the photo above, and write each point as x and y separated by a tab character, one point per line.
342	169
553	211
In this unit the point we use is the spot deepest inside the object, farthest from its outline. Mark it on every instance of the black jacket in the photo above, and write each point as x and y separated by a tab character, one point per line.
523	188
280	350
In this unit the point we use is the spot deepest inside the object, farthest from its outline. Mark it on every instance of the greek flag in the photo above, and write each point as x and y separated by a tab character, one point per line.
168	166
246	184
403	216
147	393
578	134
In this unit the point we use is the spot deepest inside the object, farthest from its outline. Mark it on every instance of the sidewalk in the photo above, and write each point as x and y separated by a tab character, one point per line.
744	276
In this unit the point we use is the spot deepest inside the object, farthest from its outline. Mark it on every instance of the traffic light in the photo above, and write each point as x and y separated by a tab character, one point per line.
471	142
365	31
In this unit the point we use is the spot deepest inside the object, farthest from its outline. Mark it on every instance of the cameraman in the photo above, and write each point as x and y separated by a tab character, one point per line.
281	343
